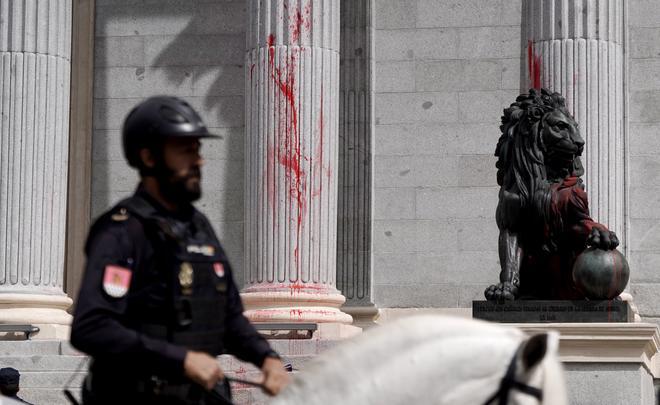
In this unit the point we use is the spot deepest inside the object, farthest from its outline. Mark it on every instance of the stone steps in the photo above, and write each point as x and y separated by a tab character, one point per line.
46	366
47	396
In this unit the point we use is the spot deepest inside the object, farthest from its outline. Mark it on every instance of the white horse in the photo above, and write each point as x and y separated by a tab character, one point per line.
433	360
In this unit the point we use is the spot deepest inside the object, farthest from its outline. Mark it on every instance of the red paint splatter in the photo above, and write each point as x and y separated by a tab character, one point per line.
533	66
307	23
299	22
295	26
298	288
289	153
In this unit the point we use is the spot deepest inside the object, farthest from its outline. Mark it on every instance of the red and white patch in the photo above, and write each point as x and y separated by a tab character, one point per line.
116	280
219	269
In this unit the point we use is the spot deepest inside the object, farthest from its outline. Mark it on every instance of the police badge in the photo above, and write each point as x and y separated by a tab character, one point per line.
186	278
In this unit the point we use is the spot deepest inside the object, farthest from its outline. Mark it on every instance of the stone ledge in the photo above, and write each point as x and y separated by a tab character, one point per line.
604	342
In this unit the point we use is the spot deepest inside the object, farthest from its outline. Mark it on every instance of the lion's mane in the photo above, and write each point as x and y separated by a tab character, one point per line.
521	168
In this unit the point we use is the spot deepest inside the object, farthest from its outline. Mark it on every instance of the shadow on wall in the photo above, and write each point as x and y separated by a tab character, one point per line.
193	50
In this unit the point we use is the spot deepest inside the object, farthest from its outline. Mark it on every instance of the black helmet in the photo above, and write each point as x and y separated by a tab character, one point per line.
157	118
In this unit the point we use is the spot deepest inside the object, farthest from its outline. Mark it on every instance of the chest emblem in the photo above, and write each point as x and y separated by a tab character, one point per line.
219	269
116	280
186	278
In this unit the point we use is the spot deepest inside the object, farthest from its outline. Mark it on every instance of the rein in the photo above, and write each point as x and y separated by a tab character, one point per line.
509	383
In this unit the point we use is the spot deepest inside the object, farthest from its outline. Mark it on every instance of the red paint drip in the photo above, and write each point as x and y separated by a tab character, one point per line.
252	71
533	66
295	26
307	23
300	22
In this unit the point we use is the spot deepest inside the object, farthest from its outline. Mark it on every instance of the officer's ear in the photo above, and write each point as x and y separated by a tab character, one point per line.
147	157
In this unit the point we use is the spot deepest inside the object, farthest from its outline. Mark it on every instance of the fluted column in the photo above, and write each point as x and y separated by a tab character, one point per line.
575	47
35	49
292	83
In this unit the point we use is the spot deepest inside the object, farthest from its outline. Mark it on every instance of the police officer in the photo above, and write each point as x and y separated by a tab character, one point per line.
158	301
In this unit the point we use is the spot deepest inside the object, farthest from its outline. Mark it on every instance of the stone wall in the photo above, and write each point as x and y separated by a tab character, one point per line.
194	50
644	150
445	69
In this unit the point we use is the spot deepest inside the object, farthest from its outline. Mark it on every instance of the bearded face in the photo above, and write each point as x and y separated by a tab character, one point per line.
563	145
180	172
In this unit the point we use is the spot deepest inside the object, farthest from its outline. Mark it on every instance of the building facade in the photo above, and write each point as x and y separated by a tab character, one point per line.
389	109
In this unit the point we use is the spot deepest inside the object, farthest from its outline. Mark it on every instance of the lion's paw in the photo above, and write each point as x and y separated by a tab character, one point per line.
501	292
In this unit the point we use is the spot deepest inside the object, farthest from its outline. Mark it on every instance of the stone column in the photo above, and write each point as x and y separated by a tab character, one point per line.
575	47
35	48
292	83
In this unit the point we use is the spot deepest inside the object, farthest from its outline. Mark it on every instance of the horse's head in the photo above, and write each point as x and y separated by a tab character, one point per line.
533	375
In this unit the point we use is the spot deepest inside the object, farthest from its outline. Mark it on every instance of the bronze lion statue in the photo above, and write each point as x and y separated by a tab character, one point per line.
543	212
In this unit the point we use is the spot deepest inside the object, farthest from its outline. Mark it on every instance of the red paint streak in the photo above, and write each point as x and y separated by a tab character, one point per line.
533	66
300	22
308	12
252	71
289	154
295	26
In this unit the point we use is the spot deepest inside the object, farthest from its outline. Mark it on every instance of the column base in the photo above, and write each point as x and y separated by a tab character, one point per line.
364	316
278	306
48	312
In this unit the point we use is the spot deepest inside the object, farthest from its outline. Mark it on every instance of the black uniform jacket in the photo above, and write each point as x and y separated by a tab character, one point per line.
106	327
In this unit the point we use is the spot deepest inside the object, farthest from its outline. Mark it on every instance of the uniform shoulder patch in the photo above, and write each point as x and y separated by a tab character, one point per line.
120	216
219	269
116	280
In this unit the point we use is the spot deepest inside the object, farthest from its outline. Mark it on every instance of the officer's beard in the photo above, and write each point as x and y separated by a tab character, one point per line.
177	188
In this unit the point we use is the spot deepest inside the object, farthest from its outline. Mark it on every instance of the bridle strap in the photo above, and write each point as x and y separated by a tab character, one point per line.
509	383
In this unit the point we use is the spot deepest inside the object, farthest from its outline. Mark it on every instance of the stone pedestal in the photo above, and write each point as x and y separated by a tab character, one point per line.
292	83
607	363
35	49
576	48
530	311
